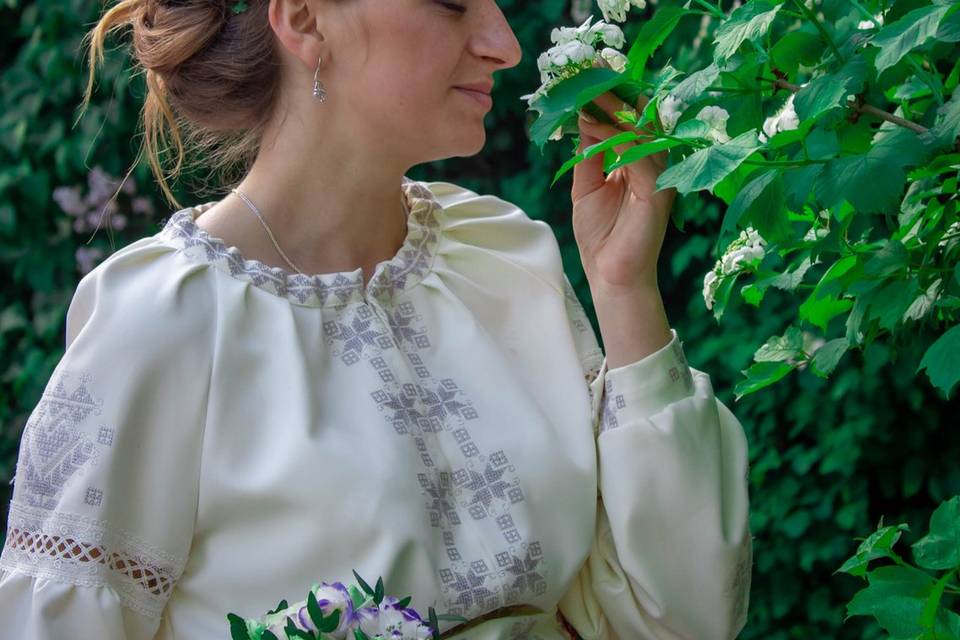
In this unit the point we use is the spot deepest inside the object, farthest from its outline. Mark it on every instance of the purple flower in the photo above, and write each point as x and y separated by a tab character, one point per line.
69	200
87	257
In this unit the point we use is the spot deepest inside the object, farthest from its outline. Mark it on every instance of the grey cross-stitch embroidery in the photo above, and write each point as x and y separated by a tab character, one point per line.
54	447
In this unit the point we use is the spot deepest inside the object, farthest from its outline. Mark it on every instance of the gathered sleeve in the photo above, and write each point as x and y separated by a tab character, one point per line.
672	554
106	486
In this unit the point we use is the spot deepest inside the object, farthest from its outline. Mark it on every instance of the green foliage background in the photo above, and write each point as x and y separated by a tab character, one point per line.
828	457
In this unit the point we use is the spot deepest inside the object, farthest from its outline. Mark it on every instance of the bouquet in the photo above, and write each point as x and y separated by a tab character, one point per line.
339	612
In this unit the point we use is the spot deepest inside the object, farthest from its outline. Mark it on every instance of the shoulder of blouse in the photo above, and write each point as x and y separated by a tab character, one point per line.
501	229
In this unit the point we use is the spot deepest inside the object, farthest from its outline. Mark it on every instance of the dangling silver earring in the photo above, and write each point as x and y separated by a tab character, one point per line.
318	90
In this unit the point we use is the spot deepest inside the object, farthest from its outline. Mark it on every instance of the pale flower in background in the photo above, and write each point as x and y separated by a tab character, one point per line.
868	24
617	9
670	109
717	118
784	120
616	60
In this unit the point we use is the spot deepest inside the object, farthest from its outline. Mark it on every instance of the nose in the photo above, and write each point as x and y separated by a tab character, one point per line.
497	40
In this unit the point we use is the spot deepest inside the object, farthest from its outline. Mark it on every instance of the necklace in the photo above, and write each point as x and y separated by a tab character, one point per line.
256	211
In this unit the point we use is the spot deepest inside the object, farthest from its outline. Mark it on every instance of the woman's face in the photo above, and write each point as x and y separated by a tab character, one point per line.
394	66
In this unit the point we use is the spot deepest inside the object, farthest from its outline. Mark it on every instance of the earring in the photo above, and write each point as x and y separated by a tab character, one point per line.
318	90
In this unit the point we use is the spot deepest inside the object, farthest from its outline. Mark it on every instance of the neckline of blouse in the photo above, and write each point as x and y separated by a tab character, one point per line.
391	277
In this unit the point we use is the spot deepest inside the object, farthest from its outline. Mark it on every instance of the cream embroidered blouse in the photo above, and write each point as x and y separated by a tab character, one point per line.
221	434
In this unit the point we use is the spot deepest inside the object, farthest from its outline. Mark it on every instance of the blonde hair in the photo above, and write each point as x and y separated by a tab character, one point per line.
212	79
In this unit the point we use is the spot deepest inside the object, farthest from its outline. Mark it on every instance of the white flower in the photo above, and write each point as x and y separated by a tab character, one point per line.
868	24
557	134
710	284
717	118
616	60
670	108
746	248
611	34
785	119
617	9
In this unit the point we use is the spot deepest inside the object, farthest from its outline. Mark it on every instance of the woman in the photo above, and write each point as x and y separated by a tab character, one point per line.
225	430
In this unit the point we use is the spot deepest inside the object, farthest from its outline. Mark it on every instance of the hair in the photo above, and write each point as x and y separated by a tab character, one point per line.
212	78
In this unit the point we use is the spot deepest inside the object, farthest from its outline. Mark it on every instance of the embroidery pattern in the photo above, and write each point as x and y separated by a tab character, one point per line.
53	447
742	578
89	553
392	277
612	403
482	484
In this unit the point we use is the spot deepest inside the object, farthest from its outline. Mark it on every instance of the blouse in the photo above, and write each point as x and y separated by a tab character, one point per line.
220	434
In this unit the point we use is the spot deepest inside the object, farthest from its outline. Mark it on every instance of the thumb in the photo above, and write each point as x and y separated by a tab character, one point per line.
588	174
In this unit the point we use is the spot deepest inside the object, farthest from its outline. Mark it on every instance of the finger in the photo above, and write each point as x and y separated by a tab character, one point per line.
602	131
609	103
588	175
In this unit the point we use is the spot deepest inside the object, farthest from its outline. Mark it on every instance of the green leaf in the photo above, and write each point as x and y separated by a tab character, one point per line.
746	197
696	83
238	627
946	127
314	610
269	635
940	548
790	280
363	585
293	631
878	544
941	361
897	39
280	607
895	598
750	20
830	90
639	151
594	149
888	303
330	623
378	594
704	168
652	34
779	348
760	375
565	99
871	182
827	356
930	607
434	623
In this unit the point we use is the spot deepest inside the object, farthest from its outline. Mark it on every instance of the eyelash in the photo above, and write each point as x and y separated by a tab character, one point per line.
454	7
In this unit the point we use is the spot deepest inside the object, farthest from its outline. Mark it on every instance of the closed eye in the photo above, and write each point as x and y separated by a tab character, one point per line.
455	7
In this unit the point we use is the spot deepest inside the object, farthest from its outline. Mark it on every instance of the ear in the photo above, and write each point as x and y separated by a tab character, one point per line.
298	27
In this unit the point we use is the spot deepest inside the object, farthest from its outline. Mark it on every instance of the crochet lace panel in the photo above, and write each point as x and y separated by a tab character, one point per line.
89	553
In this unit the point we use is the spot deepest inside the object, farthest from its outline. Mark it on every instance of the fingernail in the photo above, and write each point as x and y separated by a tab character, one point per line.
587	117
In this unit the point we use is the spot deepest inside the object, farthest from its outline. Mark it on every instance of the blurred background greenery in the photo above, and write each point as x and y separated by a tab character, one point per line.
828	457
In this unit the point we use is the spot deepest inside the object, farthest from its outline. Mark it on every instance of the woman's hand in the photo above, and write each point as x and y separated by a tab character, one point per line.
619	221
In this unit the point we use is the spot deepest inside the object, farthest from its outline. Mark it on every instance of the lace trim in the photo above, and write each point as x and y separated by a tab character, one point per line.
403	271
90	553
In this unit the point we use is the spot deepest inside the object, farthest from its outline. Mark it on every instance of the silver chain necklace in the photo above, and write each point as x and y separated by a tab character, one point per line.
256	211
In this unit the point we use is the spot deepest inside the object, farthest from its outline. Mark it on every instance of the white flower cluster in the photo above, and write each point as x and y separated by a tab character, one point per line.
784	120
575	49
748	247
617	9
950	236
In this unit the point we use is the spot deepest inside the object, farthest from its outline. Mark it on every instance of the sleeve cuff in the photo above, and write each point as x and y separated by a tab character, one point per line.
647	386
